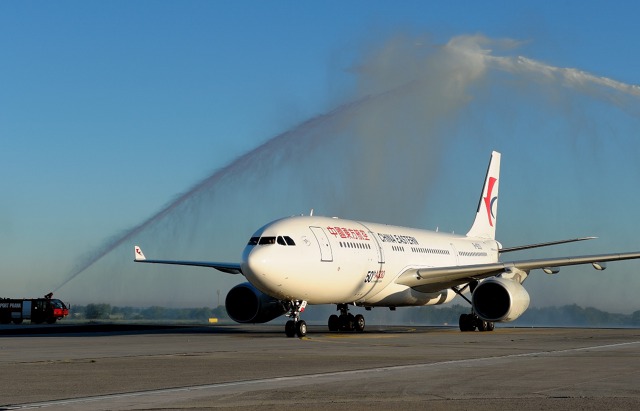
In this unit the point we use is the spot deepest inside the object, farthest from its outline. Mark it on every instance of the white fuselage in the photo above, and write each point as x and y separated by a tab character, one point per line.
338	261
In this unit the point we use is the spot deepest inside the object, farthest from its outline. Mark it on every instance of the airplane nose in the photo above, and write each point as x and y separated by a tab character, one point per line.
256	260
259	269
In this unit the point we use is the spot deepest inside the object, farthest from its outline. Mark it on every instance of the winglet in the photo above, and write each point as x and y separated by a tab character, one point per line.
137	254
484	225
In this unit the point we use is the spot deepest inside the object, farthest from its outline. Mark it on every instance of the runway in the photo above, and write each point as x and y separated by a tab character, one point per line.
240	367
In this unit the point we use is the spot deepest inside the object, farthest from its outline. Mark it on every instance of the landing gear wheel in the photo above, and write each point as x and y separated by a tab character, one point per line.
334	323
359	323
490	325
346	322
17	321
466	322
482	325
295	325
290	328
462	322
301	328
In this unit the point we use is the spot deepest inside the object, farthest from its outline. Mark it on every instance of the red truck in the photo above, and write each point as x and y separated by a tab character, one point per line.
37	310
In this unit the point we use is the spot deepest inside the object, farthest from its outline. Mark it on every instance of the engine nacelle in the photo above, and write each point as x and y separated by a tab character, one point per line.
247	304
499	299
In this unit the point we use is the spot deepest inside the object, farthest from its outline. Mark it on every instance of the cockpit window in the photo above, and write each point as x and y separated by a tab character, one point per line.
285	240
267	240
282	240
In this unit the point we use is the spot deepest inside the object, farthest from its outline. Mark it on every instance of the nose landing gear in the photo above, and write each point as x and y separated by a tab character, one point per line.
296	326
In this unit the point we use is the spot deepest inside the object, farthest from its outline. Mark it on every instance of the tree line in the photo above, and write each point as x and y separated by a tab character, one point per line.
561	316
108	312
558	316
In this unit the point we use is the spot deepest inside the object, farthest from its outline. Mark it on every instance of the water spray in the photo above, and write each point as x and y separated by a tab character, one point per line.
438	86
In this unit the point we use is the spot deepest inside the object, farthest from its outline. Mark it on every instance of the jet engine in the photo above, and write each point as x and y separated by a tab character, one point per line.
499	299
247	304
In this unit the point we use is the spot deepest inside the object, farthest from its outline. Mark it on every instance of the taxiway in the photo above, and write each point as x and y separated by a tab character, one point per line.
241	367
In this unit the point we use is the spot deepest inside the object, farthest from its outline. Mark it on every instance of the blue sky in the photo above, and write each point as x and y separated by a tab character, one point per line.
109	110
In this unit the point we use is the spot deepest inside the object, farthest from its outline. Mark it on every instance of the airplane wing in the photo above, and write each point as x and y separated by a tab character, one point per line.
529	246
438	278
229	268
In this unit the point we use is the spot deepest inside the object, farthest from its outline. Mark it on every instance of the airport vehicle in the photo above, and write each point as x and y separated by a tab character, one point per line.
38	310
302	260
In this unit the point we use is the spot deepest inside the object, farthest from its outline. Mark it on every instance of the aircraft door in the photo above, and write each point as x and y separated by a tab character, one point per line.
378	248
323	242
376	244
455	254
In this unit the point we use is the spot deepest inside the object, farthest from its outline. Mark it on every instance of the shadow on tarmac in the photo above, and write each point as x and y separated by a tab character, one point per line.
102	329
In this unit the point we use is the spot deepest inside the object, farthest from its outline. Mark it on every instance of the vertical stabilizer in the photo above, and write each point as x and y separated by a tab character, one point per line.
484	225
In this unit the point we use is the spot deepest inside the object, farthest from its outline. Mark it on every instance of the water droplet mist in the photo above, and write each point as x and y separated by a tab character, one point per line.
412	138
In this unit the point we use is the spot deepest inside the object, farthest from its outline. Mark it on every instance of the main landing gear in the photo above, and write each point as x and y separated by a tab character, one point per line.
346	321
469	322
296	326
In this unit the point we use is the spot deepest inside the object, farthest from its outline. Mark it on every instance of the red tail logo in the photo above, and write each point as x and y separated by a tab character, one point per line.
489	201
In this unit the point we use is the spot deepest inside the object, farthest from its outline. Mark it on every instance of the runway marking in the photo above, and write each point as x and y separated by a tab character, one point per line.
299	378
375	334
358	336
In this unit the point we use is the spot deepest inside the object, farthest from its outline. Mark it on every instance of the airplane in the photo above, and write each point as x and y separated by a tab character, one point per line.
300	260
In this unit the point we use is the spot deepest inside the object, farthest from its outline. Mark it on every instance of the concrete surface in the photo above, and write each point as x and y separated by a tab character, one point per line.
245	367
